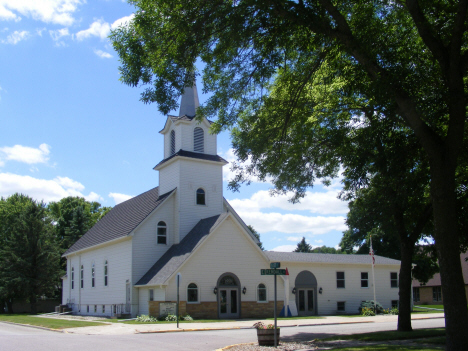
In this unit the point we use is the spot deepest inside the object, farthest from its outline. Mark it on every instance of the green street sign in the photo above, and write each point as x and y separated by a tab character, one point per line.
273	271
274	265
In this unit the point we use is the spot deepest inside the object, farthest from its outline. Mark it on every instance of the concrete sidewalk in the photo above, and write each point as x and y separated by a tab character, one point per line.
121	328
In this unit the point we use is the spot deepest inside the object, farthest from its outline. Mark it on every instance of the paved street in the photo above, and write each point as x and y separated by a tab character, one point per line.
18	338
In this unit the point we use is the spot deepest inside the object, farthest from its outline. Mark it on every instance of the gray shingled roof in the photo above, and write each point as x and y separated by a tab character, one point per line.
121	220
326	258
178	253
197	155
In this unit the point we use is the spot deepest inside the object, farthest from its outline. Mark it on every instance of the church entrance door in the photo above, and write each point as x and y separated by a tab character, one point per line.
228	303
306	302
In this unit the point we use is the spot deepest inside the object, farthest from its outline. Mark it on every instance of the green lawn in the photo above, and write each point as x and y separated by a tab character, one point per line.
392	335
45	322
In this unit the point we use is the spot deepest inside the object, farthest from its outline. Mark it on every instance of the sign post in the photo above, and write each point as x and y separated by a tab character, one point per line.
177	306
274	270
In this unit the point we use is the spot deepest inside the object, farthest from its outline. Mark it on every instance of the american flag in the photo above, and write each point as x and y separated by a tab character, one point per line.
371	252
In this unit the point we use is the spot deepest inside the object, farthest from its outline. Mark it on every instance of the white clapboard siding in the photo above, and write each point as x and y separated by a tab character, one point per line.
194	175
226	250
169	177
158	295
118	256
146	250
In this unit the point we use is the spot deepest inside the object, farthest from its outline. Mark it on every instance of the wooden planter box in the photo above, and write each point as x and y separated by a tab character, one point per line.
266	337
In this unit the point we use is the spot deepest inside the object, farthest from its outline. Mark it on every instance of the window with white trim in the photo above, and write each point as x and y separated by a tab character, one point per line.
261	293
340	280
201	197
198	140
73	277
364	279
341	306
103	308
93	272
162	233
395	303
87	308
106	271
151	294
172	142
192	292
81	277
95	308
394	279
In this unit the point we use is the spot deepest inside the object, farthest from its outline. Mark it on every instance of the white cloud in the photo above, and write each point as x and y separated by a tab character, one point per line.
102	54
69	183
285	248
118	198
25	154
49	11
315	202
59	33
101	28
294	238
318	241
40	30
293	223
42	189
16	37
92	196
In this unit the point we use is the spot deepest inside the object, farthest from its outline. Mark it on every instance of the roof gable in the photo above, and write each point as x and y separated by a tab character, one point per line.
177	254
121	220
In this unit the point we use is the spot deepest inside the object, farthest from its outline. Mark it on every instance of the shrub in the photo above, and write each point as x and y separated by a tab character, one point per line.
171	318
394	311
187	317
367	312
370	304
145	318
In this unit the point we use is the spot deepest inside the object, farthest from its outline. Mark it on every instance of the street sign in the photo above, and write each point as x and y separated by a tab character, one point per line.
274	265
273	271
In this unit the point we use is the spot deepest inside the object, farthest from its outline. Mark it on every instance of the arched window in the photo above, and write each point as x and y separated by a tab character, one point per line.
73	277
201	197
262	293
81	277
228	280
105	273
192	292
162	233
198	140
172	142
93	272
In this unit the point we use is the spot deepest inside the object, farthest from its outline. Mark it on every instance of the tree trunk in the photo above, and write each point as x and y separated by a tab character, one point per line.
405	281
447	244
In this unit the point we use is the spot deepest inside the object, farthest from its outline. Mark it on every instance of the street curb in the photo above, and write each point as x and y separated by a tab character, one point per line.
35	326
238	328
230	346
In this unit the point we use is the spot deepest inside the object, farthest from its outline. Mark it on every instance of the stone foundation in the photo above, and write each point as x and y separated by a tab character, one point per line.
203	310
209	310
253	309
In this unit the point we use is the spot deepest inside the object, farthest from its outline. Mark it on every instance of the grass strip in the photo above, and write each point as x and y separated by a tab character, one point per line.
391	335
46	322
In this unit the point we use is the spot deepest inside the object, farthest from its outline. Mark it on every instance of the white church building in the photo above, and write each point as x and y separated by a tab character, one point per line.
128	262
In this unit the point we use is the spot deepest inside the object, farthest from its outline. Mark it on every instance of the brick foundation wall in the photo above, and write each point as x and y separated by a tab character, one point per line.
209	310
203	310
253	309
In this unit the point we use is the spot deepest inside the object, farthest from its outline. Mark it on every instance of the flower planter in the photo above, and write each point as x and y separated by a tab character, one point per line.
266	337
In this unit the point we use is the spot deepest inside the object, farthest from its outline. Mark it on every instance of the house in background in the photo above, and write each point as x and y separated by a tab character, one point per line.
129	261
431	292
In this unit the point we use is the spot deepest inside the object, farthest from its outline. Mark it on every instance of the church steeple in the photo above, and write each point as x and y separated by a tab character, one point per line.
189	102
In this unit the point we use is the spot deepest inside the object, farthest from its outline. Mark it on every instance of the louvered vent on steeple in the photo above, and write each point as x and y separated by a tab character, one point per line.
198	140
172	142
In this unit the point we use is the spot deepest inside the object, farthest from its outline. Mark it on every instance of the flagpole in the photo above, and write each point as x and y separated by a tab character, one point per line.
371	252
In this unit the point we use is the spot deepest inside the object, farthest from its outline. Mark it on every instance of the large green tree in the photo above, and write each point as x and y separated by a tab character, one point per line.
303	246
261	58
29	254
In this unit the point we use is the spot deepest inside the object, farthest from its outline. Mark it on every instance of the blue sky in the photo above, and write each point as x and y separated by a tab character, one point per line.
68	126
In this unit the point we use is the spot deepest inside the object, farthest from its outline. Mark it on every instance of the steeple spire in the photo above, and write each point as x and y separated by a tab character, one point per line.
189	101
